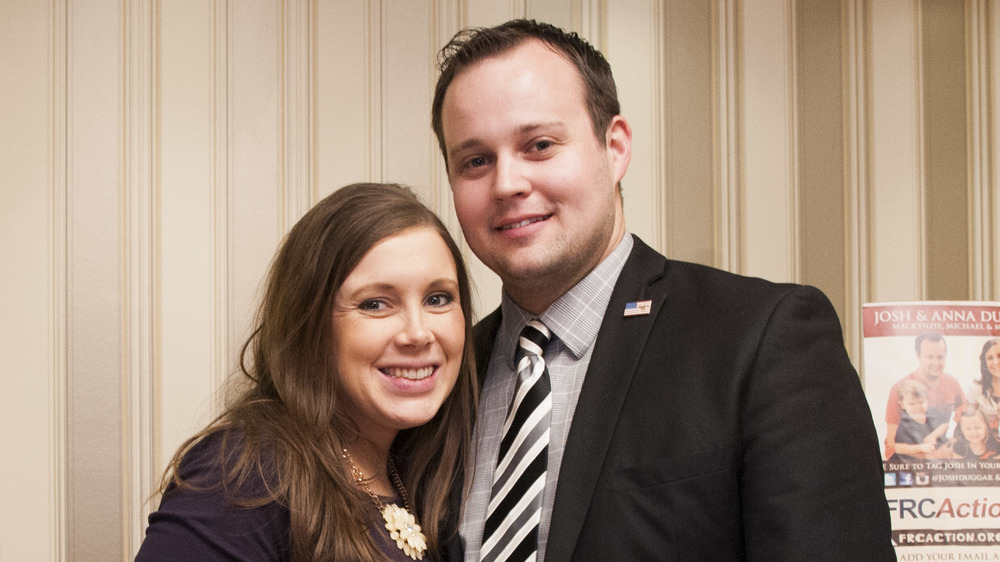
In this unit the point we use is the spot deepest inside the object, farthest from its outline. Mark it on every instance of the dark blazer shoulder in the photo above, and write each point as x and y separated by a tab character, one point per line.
483	335
707	289
688	412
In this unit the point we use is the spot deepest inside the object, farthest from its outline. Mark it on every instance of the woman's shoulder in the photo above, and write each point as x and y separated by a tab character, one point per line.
212	514
208	460
202	464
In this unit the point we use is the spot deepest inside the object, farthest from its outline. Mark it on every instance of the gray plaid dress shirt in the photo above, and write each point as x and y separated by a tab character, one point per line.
574	320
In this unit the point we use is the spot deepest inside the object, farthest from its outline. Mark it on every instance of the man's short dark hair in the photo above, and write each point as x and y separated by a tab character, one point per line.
929	335
470	46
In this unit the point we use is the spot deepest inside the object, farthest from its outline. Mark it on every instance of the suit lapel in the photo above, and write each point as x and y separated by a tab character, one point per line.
484	334
619	346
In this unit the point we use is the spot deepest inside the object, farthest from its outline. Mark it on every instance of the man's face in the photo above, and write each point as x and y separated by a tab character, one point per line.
535	190
931	357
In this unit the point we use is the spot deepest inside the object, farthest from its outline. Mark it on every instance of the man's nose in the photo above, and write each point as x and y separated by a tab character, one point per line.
509	179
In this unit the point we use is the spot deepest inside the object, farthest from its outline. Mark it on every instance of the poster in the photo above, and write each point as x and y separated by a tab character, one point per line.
924	365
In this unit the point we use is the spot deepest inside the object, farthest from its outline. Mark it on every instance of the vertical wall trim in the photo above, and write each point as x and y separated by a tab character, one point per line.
518	8
588	17
896	228
921	148
993	119
139	254
856	173
725	43
376	75
66	445
446	16
295	108
979	149
794	228
58	310
660	149
223	293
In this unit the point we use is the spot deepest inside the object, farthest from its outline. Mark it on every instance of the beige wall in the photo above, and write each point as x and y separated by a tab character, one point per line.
153	153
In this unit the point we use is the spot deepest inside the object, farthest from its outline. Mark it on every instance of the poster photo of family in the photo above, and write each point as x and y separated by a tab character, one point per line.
932	377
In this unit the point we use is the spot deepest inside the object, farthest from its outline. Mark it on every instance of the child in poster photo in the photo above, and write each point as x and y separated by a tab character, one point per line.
974	440
921	428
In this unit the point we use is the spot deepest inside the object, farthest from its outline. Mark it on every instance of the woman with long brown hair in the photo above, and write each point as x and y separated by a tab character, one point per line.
986	391
359	393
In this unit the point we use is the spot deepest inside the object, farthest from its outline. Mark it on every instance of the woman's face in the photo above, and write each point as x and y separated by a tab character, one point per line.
398	333
993	361
973	428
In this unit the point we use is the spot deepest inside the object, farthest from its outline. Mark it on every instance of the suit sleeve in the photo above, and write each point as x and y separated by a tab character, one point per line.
811	481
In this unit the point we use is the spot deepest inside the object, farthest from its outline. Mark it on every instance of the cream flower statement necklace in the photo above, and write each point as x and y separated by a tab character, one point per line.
400	523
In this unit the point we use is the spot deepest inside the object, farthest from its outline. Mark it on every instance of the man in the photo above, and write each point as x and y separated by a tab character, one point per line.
944	394
693	414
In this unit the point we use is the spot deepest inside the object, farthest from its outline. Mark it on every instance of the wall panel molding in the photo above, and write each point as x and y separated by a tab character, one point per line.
821	187
856	163
57	309
139	253
33	421
588	19
946	141
993	236
728	166
97	298
373	90
256	202
896	188
224	319
446	18
479	13
635	52
192	297
768	145
982	153
659	140
296	44
687	129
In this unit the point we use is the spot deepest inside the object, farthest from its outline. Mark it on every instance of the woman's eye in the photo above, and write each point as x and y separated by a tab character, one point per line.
372	305
440	299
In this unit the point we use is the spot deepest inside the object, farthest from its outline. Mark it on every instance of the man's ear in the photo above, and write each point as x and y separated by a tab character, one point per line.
619	143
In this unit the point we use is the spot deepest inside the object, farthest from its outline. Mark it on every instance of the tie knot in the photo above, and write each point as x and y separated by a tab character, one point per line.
534	337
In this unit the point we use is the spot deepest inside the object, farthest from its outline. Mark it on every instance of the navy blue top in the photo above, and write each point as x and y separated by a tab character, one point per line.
204	524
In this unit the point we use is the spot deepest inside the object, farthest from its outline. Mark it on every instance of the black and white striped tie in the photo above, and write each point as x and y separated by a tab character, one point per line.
511	531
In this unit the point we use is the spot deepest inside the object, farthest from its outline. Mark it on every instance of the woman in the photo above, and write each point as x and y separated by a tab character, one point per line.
986	391
358	400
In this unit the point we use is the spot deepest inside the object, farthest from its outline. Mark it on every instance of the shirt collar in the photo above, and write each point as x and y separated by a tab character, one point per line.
574	318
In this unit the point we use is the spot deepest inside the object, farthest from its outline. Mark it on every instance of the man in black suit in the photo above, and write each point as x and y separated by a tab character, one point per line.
695	414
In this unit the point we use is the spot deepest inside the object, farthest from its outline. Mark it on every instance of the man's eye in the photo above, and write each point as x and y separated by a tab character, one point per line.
476	162
542	145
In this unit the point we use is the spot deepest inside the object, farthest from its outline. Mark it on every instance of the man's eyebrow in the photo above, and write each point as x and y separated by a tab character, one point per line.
532	127
463	146
525	129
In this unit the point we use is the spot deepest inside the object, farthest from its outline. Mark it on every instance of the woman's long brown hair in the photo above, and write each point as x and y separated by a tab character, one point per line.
285	426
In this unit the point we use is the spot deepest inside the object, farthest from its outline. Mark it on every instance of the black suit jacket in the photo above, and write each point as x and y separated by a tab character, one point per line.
727	424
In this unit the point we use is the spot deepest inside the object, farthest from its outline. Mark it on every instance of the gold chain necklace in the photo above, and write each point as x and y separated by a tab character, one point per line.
400	523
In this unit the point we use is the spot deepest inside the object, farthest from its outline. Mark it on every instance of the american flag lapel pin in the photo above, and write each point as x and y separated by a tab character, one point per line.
638	308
